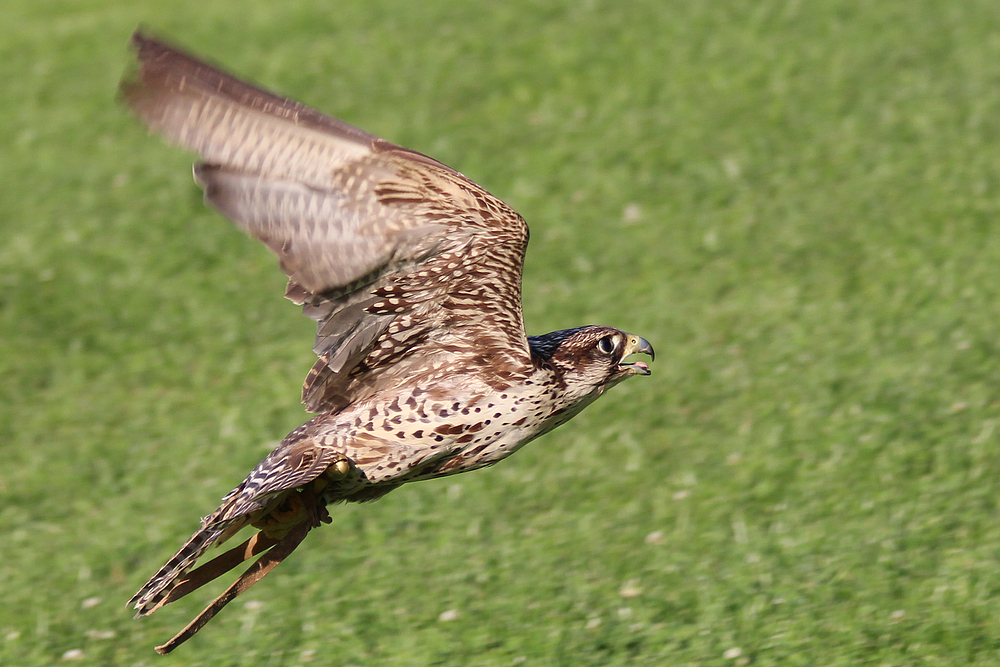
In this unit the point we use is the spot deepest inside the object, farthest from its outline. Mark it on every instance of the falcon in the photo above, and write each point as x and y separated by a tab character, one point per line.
412	274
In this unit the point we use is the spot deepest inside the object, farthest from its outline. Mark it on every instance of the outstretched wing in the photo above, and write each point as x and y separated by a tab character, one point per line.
393	254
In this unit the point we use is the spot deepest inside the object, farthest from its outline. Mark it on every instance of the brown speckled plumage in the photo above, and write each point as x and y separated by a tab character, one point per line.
412	273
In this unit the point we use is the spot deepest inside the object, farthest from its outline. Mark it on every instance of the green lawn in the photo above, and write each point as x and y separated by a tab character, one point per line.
794	202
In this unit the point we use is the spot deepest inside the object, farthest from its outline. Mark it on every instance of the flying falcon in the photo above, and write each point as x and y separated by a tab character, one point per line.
412	273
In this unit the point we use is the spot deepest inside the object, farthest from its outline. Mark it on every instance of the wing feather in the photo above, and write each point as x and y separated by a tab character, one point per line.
231	122
391	252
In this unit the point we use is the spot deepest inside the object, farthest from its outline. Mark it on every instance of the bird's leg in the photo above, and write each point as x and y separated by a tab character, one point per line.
304	505
279	521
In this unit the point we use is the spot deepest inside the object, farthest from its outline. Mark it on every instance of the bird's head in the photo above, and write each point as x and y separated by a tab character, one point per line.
590	359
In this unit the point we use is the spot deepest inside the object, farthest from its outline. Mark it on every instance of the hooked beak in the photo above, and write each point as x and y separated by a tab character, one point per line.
637	345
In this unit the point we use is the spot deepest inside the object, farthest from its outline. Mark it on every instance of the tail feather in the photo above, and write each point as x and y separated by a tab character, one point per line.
160	584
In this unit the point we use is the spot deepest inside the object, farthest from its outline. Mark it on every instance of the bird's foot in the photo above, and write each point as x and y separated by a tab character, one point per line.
278	522
304	505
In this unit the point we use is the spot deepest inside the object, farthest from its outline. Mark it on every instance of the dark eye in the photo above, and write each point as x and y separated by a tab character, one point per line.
606	345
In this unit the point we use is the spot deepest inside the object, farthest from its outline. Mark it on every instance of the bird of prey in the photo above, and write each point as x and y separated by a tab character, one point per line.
412	273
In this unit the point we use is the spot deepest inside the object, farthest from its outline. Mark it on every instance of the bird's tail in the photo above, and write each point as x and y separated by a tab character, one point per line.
148	599
176	579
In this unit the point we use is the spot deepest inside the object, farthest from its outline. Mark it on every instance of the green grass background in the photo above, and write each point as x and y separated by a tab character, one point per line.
796	203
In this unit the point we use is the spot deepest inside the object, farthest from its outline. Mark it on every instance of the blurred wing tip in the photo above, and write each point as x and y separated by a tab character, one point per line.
150	48
143	36
139	83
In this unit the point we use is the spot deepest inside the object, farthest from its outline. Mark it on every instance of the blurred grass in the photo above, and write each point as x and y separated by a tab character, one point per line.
794	202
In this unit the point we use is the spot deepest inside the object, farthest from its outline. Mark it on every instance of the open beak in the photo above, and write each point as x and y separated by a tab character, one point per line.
637	345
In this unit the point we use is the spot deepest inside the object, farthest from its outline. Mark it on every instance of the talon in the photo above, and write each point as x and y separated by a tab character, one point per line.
279	521
322	515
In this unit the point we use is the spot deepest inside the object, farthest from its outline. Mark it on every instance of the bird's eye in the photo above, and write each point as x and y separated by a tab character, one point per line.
606	345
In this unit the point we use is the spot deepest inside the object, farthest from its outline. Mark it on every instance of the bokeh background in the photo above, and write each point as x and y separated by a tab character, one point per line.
796	202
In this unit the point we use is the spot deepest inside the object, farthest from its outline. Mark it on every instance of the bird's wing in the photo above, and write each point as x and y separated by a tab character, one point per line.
391	252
